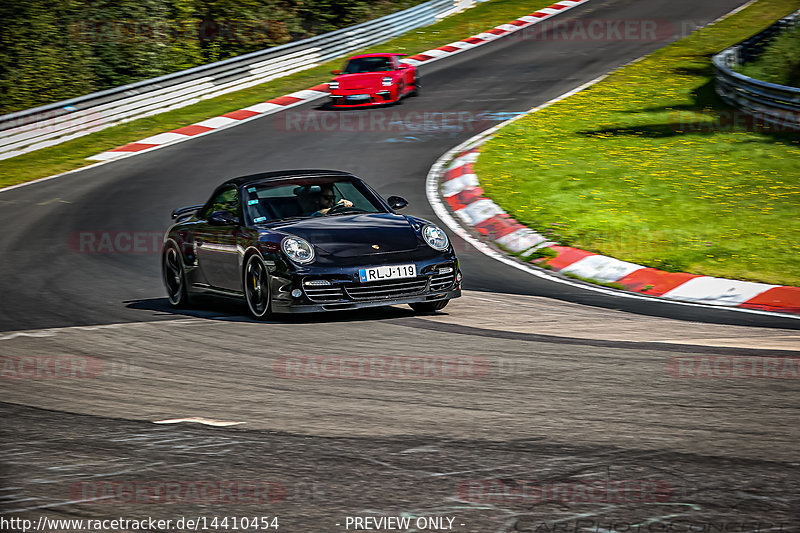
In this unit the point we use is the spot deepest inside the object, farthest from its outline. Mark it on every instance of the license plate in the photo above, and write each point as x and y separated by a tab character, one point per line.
387	272
353	97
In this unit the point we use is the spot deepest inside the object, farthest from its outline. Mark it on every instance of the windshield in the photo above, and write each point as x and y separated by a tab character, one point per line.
309	197
368	64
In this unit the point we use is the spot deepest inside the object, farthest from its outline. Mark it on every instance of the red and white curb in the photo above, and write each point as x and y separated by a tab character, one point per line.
452	182
215	124
453	190
301	97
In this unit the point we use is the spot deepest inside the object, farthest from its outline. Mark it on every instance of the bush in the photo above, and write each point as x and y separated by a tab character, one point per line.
780	61
52	50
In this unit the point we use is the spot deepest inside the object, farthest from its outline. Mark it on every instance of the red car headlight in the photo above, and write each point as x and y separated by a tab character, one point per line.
386	81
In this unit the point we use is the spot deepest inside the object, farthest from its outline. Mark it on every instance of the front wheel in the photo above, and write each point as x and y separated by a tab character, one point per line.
400	93
429	307
174	277
256	287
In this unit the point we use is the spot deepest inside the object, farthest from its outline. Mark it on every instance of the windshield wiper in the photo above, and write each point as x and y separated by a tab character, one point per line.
284	219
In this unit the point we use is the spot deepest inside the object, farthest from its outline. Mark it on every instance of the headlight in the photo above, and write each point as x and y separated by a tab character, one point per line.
298	250
435	237
333	84
386	81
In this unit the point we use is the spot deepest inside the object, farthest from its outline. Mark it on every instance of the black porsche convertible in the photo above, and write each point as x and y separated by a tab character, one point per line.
307	240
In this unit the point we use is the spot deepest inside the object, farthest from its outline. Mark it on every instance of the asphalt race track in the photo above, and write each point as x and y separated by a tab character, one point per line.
554	387
49	283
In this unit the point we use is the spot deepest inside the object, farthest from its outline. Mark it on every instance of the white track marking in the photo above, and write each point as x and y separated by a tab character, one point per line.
456	185
722	291
216	122
50	332
162	138
263	107
601	268
198	420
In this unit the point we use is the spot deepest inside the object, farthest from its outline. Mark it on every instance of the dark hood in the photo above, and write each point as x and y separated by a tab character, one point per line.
355	235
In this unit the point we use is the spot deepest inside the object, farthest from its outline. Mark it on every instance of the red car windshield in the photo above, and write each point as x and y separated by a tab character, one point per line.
368	64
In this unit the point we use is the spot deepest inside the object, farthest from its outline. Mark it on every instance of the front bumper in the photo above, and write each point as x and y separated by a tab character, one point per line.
437	279
290	307
382	97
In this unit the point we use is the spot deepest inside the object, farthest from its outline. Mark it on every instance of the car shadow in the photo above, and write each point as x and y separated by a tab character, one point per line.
708	116
328	106
234	312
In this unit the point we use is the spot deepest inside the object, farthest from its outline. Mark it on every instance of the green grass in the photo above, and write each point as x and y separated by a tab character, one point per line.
72	154
642	167
780	61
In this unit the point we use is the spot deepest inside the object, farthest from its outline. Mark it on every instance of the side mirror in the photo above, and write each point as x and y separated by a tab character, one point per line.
223	218
397	202
336	72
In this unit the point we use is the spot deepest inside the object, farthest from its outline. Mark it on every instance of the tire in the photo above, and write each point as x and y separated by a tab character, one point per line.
429	307
400	88
174	276
256	287
417	85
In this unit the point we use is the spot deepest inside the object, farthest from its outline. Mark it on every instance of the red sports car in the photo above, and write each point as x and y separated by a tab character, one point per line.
373	79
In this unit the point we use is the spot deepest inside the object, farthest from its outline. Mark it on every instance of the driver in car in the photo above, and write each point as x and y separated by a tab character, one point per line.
321	201
327	200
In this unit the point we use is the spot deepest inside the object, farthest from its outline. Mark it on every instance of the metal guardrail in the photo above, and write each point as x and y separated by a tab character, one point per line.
778	105
40	127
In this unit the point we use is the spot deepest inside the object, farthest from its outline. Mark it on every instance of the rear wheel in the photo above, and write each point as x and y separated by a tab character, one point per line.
256	287
174	276
429	307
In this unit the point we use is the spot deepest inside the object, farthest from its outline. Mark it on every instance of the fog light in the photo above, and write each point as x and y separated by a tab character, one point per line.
317	283
458	277
297	293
